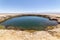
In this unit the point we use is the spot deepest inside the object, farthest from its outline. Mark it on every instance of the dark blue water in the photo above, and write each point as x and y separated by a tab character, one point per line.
29	22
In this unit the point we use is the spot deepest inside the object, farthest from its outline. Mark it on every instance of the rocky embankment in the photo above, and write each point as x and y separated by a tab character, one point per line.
6	17
53	34
10	34
24	35
55	17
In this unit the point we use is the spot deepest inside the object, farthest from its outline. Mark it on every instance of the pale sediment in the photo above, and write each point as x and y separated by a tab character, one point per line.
23	35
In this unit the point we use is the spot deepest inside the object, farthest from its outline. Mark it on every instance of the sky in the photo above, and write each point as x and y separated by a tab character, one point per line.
18	6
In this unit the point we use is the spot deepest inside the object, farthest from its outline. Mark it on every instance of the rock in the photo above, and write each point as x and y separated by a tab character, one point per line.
24	35
55	32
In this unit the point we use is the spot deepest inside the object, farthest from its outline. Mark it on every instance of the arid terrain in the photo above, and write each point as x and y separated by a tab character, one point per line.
53	34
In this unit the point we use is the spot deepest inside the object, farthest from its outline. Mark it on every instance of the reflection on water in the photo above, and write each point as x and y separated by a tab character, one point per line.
29	22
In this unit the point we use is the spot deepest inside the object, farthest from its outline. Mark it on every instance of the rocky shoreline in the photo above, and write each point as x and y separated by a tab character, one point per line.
6	34
55	17
23	35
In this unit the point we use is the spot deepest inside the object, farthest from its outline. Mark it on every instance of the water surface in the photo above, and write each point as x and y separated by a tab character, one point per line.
29	22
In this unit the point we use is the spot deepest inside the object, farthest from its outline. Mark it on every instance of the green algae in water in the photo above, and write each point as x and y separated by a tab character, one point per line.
29	23
2	27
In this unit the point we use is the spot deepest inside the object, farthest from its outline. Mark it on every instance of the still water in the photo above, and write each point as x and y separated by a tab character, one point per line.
29	22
